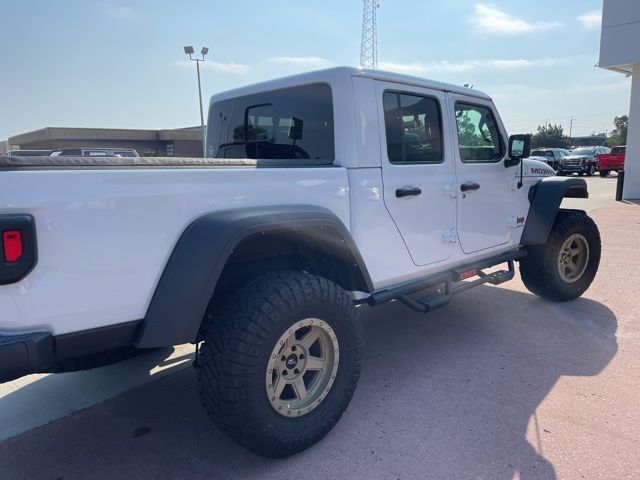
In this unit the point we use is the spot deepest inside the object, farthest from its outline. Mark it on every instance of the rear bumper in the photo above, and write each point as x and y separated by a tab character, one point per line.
611	166
24	354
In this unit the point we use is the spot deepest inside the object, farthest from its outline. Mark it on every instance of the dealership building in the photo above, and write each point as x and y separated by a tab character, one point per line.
620	52
181	142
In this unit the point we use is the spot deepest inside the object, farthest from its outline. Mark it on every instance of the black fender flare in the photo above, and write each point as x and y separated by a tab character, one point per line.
194	267
545	198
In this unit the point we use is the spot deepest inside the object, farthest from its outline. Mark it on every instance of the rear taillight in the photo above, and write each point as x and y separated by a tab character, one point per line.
12	245
19	250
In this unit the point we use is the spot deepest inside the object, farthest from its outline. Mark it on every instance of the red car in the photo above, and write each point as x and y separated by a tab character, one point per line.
611	162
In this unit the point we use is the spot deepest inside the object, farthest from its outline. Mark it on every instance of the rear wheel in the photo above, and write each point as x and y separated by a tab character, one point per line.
280	362
565	266
604	173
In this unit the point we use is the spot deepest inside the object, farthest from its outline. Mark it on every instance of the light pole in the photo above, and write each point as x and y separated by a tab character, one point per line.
189	51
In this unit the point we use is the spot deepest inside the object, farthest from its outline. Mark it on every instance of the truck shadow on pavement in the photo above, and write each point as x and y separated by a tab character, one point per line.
453	394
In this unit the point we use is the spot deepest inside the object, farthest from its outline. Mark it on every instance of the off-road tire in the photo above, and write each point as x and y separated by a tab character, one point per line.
238	343
592	171
604	173
539	268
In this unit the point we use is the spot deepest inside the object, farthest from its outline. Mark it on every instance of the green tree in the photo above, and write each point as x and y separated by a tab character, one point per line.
468	134
619	134
551	136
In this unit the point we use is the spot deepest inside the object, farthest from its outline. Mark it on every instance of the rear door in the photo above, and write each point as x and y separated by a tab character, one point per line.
417	169
487	202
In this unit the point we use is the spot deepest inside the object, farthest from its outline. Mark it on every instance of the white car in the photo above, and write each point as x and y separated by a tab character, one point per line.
320	192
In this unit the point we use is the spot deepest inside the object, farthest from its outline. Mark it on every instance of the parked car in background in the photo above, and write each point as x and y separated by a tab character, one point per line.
95	152
581	160
28	153
611	162
550	156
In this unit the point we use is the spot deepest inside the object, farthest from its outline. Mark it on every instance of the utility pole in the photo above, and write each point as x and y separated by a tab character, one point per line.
571	127
189	51
369	40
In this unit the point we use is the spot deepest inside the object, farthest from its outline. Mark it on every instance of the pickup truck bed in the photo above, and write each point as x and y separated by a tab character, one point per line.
611	162
47	162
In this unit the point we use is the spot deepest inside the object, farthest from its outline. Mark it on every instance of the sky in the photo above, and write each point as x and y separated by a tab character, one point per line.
116	64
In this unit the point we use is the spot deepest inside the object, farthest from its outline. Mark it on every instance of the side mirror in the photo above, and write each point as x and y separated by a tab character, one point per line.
519	148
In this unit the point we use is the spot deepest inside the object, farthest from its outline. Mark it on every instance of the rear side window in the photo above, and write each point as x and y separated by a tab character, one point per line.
618	150
413	128
479	138
124	153
290	124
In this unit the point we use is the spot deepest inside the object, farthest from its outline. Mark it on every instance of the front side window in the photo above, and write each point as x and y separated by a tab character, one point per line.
479	138
413	128
290	124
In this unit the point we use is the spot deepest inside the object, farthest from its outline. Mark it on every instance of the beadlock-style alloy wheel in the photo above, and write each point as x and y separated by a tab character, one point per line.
302	367
573	258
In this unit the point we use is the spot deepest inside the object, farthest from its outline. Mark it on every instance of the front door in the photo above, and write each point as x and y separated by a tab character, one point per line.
487	190
417	169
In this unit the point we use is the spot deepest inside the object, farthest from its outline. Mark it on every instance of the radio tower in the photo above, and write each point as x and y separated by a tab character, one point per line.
369	42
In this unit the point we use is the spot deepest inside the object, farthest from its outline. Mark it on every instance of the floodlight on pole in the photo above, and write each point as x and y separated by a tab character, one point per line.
188	50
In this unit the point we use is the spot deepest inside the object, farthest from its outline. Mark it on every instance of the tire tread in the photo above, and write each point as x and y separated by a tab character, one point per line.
231	339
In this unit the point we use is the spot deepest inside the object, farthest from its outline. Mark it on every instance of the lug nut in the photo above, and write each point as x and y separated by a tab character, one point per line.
294	348
285	373
301	356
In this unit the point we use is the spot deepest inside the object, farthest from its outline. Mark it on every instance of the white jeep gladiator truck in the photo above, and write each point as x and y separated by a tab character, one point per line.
320	192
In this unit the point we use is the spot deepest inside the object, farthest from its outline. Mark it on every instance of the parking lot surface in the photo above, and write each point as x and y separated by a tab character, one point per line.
498	384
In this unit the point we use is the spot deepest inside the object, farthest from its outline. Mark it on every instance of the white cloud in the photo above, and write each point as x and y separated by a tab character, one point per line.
422	68
313	62
119	12
592	19
489	19
230	67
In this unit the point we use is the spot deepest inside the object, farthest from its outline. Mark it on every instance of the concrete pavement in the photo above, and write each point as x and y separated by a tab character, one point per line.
498	384
601	192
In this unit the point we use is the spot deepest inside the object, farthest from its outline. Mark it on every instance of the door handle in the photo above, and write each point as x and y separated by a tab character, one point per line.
408	192
465	187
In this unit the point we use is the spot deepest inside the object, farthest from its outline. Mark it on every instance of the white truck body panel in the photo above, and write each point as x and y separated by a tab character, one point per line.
105	235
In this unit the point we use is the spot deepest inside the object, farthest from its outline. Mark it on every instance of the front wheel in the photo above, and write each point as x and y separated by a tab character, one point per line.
604	173
592	171
280	362
564	267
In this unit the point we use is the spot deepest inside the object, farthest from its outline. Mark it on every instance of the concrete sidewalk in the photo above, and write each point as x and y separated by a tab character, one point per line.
498	384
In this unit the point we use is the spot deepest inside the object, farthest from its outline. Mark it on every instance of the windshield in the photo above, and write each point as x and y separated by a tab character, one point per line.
542	153
582	151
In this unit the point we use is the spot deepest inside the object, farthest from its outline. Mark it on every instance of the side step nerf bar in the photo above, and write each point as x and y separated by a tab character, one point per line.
451	282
